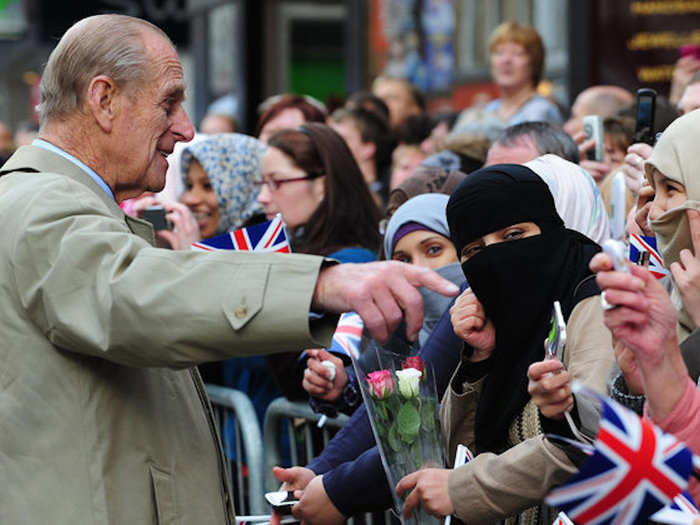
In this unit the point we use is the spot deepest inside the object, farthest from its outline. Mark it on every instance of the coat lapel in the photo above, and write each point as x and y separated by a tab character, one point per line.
34	158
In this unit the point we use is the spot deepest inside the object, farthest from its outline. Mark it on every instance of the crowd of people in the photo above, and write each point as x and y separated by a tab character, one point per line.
452	232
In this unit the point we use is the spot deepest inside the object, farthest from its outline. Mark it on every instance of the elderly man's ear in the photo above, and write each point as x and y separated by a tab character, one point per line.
103	101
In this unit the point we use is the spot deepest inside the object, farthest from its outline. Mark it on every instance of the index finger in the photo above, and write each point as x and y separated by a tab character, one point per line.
419	276
601	262
694	224
411	302
640	148
540	368
145	202
629	282
406	483
579	137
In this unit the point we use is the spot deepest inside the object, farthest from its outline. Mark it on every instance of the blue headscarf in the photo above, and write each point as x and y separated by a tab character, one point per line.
427	210
233	162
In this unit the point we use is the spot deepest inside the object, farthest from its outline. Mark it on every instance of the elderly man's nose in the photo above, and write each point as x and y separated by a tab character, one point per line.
182	126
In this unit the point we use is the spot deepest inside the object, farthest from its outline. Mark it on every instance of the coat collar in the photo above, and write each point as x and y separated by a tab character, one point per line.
42	160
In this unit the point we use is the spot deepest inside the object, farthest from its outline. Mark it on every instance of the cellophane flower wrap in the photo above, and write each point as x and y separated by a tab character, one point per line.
401	399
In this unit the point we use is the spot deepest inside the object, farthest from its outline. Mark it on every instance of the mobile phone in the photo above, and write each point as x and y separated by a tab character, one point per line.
156	216
692	50
593	128
557	334
282	501
616	251
646	108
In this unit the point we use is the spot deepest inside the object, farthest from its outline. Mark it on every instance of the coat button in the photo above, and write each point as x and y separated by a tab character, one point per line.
241	311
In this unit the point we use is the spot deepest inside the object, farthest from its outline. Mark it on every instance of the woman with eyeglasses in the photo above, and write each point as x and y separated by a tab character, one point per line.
310	176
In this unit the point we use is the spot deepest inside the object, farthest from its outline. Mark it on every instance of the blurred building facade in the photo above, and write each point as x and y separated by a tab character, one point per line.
247	50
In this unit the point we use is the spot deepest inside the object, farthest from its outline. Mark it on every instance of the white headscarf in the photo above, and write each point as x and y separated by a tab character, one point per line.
576	196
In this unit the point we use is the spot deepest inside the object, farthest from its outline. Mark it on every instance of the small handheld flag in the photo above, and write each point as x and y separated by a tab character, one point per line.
644	247
462	456
635	470
268	236
346	338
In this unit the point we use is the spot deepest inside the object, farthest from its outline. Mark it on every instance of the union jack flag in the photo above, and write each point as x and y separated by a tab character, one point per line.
268	236
562	519
641	245
681	512
635	470
462	456
346	338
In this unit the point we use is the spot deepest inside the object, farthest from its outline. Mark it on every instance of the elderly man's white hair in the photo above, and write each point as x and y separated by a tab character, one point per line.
110	45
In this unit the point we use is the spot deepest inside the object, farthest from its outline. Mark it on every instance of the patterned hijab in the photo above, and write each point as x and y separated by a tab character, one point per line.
233	163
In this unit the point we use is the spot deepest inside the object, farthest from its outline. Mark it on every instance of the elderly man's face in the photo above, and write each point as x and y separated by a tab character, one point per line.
152	123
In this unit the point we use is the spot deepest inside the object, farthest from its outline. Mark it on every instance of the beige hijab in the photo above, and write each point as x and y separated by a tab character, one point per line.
677	156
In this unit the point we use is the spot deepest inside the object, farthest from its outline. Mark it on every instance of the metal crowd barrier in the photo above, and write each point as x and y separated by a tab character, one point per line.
232	407
283	412
263	454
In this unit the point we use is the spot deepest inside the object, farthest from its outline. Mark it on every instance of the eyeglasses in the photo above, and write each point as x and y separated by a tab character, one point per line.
274	184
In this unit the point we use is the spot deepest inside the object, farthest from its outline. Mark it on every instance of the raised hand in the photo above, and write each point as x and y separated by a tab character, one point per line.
470	324
380	292
549	384
645	319
633	167
317	378
645	322
185	229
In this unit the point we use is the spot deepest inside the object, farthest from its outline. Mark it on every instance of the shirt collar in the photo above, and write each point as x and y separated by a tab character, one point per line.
87	169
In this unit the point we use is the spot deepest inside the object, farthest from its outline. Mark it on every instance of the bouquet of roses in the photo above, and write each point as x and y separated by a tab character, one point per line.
401	401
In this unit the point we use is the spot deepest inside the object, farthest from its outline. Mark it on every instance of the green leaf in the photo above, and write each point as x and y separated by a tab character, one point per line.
408	421
427	414
394	441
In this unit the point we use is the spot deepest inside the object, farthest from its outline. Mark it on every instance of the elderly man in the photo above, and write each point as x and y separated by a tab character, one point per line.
104	418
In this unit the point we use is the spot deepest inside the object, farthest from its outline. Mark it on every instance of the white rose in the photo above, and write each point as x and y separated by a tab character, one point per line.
409	381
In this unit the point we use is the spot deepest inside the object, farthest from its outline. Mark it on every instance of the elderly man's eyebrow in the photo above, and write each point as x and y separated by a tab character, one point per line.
175	93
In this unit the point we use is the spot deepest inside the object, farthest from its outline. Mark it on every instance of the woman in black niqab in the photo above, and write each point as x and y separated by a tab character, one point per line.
518	259
516	281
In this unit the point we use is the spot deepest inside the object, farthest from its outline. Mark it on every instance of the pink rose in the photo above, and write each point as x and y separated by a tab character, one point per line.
381	384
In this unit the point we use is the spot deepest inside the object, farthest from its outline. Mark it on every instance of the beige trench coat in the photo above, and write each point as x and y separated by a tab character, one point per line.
103	419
